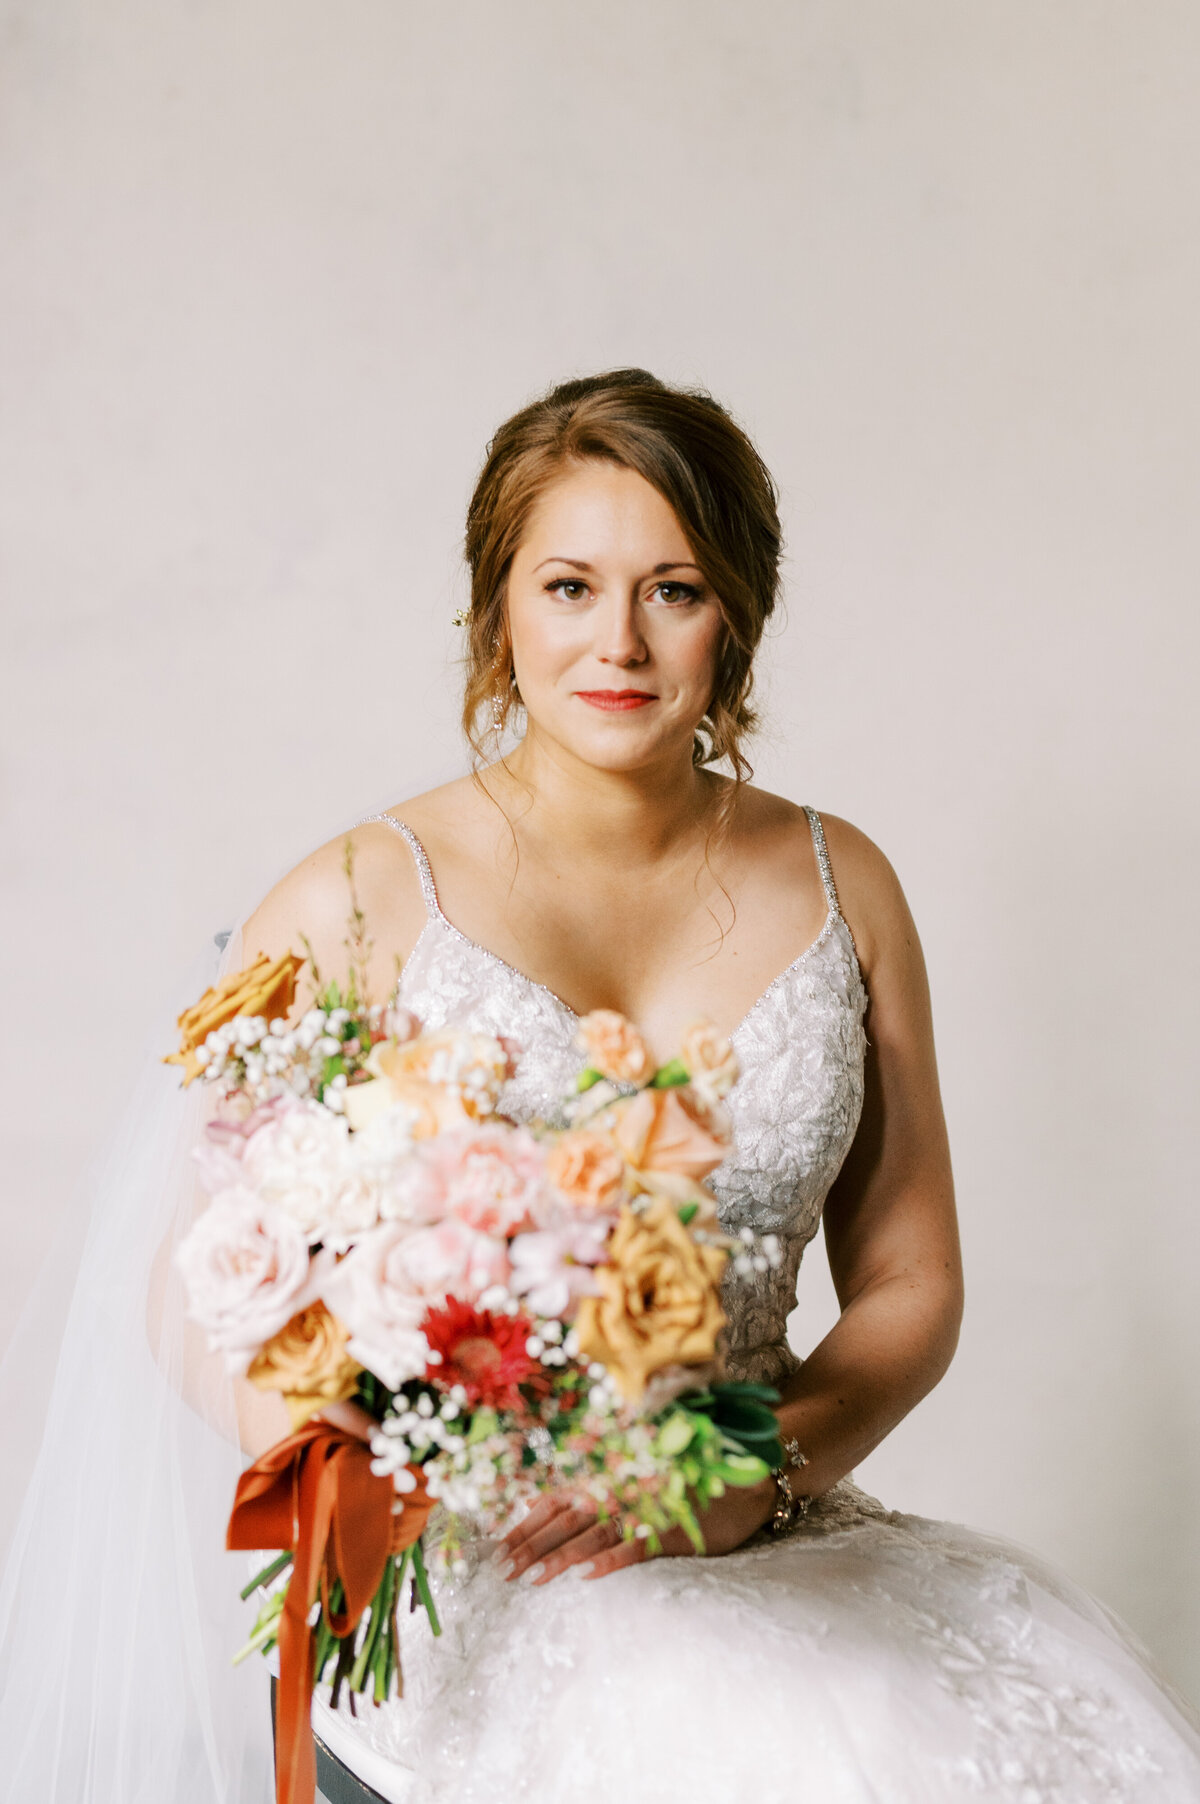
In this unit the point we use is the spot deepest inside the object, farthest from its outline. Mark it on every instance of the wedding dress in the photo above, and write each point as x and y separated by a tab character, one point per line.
870	1657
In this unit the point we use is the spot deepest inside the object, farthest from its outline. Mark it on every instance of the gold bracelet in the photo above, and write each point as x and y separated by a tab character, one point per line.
789	1508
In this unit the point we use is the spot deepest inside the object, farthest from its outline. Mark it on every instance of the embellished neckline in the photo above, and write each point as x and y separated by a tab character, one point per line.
437	919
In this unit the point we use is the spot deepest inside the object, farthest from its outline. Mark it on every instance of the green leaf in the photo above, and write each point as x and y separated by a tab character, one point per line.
676	1434
587	1077
735	1387
743	1469
484	1422
670	1076
688	1212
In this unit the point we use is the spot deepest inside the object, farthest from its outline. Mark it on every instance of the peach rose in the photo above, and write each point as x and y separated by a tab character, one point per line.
662	1131
710	1059
614	1047
307	1360
587	1170
267	988
430	1108
448	1077
658	1303
477	1064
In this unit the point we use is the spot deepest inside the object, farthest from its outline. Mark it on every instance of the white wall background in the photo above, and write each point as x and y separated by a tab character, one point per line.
270	272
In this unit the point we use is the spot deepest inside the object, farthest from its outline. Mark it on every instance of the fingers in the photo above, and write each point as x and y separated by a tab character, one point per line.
547	1506
593	1541
567	1524
625	1553
560	1532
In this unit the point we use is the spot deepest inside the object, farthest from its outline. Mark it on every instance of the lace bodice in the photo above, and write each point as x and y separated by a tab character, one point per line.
795	1106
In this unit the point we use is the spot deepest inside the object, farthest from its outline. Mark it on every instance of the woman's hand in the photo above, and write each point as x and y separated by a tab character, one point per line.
563	1530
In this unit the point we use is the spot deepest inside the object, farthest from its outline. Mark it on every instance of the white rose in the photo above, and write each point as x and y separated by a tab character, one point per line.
371	1292
302	1162
383	1152
246	1270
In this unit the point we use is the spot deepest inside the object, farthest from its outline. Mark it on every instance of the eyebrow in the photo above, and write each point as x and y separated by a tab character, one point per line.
577	564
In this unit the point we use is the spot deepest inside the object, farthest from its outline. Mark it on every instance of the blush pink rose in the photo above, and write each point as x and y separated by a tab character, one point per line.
246	1270
373	1295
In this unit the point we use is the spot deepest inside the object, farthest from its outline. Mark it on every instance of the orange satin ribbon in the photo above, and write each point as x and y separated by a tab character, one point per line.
315	1495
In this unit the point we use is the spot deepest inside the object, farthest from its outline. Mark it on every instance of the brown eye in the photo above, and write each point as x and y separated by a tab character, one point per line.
564	587
677	592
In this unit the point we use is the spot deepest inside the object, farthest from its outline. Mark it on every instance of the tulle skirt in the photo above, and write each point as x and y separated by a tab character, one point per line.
870	1657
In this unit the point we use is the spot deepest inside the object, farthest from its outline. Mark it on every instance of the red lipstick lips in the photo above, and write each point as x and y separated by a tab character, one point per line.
613	701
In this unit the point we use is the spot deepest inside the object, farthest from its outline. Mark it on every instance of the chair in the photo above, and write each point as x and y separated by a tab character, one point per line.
335	1782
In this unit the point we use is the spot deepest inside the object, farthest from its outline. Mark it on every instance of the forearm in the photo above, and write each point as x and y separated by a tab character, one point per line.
890	1346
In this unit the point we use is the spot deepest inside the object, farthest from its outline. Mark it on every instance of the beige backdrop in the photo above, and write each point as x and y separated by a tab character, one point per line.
271	271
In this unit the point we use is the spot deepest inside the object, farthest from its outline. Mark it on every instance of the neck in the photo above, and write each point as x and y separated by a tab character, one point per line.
591	815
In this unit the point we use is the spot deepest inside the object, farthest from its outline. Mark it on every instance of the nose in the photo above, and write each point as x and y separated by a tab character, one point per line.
619	638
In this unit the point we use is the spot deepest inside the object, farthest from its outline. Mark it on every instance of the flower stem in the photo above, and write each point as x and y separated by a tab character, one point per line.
266	1575
422	1583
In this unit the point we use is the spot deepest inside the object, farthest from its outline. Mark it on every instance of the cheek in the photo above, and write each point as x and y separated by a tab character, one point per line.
697	655
543	645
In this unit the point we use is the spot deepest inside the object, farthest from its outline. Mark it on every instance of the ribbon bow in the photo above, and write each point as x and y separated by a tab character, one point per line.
315	1495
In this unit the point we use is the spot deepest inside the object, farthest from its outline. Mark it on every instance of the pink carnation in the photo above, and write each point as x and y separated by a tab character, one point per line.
452	1258
552	1267
219	1154
490	1177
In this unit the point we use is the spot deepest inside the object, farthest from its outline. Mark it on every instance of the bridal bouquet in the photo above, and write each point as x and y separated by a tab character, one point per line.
515	1307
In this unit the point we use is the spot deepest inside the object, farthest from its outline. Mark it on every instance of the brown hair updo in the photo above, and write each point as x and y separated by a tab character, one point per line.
687	447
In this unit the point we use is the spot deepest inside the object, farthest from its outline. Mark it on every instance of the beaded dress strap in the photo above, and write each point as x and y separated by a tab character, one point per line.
420	858
823	864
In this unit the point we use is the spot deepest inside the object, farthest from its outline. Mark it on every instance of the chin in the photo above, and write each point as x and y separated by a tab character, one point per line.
623	750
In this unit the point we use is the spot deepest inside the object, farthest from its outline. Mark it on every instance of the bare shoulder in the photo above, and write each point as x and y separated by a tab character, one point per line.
871	897
869	892
313	902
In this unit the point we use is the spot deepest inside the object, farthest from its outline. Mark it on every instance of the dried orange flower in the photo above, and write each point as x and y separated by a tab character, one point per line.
267	987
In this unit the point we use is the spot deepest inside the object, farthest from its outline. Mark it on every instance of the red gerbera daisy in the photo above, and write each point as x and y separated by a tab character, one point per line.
485	1353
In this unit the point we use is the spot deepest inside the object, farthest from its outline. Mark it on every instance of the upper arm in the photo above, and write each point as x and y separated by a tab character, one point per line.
313	903
891	1212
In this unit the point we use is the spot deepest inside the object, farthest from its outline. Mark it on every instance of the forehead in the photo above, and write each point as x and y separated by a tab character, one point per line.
599	509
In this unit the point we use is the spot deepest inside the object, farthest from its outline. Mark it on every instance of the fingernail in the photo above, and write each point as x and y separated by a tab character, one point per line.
504	1566
585	1568
534	1572
502	1555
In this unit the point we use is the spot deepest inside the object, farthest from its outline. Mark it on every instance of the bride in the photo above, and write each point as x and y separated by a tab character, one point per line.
623	545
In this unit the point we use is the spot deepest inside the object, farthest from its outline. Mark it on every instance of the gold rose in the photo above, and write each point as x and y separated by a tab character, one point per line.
307	1361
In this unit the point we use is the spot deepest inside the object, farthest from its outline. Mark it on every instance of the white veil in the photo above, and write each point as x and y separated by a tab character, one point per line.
119	1608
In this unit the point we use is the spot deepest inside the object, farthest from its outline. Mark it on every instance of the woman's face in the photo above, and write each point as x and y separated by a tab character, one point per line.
615	633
